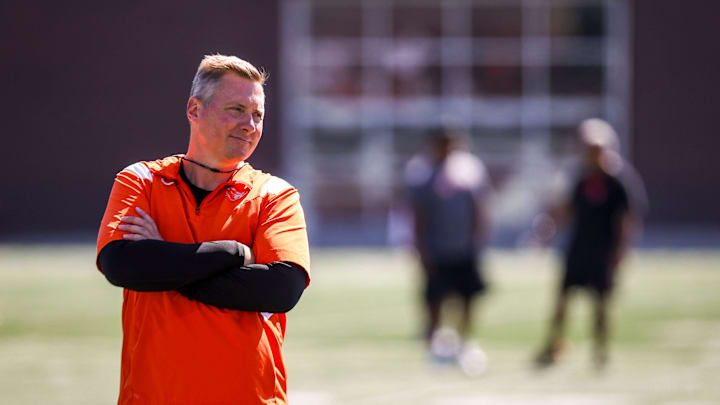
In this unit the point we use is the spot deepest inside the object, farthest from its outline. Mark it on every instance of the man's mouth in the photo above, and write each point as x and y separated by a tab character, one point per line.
237	138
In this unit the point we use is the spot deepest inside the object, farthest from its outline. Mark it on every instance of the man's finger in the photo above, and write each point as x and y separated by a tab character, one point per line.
144	215
152	226
150	221
133	220
133	236
143	225
134	229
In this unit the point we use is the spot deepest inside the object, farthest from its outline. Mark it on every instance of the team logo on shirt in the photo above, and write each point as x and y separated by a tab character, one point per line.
233	194
595	190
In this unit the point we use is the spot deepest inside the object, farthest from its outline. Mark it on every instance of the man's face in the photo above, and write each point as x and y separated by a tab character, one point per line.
440	149
593	156
229	127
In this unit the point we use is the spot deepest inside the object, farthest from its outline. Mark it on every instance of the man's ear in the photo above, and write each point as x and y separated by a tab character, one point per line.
193	109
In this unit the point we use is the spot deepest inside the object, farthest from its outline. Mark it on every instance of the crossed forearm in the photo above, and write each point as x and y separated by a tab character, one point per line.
208	272
155	265
275	287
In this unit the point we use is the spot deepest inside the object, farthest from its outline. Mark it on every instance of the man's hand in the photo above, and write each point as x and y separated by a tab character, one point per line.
139	228
247	254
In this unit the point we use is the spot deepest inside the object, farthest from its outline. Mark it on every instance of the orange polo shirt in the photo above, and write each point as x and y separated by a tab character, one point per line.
179	351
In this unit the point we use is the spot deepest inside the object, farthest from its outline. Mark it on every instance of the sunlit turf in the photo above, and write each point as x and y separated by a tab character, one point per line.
353	337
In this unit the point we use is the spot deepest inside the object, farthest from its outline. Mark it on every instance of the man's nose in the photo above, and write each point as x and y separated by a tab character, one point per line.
247	123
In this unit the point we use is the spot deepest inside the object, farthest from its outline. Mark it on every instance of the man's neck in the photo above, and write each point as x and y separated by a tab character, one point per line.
204	178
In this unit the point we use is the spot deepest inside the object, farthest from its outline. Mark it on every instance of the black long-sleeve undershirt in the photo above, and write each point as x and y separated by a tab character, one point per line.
274	287
208	272
153	265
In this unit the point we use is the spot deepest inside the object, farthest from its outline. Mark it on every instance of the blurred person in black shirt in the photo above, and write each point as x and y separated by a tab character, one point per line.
602	210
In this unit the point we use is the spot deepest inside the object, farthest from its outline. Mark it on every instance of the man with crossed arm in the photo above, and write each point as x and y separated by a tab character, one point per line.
202	323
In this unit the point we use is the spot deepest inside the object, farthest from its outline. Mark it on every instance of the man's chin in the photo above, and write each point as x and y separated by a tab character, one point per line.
237	156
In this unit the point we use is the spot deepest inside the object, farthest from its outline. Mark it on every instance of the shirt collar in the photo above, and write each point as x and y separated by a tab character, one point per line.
169	168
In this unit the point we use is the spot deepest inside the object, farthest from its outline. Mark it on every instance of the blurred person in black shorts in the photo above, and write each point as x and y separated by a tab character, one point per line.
602	210
447	189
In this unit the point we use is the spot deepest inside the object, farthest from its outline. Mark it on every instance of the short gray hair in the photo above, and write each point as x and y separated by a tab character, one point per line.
213	67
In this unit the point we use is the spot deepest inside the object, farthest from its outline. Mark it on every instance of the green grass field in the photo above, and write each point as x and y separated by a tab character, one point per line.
351	340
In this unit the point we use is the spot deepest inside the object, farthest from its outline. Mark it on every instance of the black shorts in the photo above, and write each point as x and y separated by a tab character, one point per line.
593	273
461	276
